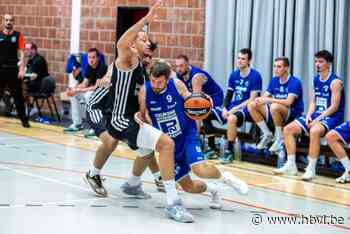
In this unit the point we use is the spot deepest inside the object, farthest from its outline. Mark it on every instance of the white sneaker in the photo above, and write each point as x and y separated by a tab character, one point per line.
288	169
215	202
239	185
277	145
265	140
345	178
309	174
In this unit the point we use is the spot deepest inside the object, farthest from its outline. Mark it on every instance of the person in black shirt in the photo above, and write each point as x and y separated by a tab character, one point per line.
96	70
36	68
11	45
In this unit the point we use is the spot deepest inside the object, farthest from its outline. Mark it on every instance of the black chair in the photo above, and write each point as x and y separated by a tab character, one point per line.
45	93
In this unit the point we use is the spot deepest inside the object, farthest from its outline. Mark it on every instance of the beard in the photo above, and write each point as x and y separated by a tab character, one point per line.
9	27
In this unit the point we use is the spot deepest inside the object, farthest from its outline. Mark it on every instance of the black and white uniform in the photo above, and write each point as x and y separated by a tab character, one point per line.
118	106
97	110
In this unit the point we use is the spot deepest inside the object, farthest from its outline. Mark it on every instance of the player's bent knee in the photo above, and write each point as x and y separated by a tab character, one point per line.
316	131
331	137
165	143
232	120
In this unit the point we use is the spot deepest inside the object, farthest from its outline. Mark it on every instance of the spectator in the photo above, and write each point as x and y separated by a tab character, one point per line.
11	54
82	91
36	68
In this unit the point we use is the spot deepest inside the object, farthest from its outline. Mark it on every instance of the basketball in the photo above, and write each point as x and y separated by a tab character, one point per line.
197	106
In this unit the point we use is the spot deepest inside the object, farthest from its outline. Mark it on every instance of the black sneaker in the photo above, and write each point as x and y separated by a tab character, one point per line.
25	124
95	183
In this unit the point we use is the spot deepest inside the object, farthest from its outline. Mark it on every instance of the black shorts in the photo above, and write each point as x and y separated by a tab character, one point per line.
240	118
128	135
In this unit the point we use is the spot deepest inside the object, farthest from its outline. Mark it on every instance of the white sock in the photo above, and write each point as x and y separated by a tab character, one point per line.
94	171
211	187
171	192
263	127
156	175
134	180
278	133
291	159
346	163
312	163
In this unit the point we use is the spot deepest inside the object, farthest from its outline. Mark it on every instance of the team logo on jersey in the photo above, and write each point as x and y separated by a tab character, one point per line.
281	89
13	39
198	149
169	98
325	89
246	84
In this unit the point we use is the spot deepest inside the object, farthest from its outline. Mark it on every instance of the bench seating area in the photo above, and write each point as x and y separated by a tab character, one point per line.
266	158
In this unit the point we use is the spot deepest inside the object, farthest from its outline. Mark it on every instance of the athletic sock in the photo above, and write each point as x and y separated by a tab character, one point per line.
156	175
263	127
94	171
211	187
291	159
134	180
312	163
171	192
346	163
278	132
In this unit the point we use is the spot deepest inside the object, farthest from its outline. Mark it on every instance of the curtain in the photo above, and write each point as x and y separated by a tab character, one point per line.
272	28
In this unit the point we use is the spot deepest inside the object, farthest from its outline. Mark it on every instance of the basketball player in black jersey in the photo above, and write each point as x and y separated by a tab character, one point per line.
97	108
127	78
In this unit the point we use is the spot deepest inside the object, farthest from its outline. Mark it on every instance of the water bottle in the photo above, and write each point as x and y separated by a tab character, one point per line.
281	158
322	160
237	150
222	144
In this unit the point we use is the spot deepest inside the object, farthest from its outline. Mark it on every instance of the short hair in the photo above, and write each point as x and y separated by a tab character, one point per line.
93	50
161	68
153	45
182	56
248	52
285	60
33	46
325	54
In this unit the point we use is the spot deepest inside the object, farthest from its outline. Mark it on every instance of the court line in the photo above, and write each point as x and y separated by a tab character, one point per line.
50	179
148	182
309	197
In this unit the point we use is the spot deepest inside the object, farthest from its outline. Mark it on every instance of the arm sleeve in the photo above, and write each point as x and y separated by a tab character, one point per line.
228	98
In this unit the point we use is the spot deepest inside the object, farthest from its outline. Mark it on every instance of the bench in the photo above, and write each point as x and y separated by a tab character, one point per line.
252	137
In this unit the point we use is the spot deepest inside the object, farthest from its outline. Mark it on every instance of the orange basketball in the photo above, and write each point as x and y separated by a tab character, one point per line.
197	106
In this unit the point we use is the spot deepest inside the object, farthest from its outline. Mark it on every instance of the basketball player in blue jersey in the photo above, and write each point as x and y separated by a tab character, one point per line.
197	80
245	85
97	108
127	77
326	111
337	139
281	104
161	102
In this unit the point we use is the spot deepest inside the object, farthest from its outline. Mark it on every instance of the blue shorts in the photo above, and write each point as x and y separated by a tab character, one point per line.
190	155
328	122
182	168
343	131
218	100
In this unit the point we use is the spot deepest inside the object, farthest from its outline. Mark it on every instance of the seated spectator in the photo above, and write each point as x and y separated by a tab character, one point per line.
36	68
83	90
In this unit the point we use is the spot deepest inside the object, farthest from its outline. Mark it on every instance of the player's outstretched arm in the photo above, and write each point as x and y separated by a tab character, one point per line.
128	38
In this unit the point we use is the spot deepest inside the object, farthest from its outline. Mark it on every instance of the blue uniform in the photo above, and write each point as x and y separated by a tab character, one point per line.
323	96
343	131
210	87
280	90
242	87
166	111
